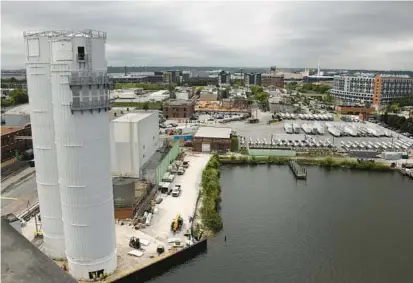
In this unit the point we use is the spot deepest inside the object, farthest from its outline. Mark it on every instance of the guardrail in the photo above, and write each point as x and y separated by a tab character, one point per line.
30	212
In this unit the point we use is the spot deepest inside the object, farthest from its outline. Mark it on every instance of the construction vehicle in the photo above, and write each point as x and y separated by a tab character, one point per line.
177	223
134	243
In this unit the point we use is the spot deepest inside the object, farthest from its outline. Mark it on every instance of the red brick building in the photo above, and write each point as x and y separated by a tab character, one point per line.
10	143
272	79
178	109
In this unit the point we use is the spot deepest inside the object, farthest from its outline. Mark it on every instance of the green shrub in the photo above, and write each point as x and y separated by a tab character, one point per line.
234	144
211	195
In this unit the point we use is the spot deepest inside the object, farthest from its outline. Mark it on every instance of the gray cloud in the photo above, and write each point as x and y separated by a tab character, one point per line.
287	34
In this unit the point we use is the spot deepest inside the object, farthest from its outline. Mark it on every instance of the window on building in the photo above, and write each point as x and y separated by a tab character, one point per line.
81	53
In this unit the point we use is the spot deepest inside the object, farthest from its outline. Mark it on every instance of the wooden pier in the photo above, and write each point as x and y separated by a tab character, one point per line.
298	170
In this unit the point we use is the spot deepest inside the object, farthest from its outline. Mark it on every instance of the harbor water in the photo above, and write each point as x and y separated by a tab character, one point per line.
336	226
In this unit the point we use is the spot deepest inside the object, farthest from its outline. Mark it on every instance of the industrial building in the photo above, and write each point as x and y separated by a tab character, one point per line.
144	77
178	109
374	89
354	109
239	103
134	139
128	195
68	92
208	139
184	93
272	80
18	116
14	141
29	264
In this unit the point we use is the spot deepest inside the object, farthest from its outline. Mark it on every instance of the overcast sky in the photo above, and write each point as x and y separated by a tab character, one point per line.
369	35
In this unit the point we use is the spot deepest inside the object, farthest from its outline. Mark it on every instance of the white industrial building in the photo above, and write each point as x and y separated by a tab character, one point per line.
79	89
134	139
18	116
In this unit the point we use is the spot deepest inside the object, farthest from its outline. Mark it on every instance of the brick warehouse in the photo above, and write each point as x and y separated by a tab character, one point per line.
208	139
176	108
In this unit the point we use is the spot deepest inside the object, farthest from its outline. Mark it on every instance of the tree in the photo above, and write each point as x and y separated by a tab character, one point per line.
146	106
395	108
19	96
261	96
256	89
171	89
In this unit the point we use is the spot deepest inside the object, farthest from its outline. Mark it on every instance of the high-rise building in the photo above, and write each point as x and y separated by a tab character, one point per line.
374	89
252	79
43	135
249	79
79	92
224	77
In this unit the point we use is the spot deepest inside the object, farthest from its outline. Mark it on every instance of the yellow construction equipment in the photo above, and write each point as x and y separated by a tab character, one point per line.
177	223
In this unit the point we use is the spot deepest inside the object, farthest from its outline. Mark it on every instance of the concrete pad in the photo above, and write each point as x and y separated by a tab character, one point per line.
184	204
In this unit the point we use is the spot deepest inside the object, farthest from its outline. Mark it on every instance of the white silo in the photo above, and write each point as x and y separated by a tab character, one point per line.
80	102
40	97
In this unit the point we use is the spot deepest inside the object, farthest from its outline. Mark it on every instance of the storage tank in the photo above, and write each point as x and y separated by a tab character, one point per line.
79	85
43	136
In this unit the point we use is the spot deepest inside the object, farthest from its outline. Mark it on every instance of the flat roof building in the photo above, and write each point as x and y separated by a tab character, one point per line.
134	139
178	109
272	79
18	116
23	262
208	139
377	90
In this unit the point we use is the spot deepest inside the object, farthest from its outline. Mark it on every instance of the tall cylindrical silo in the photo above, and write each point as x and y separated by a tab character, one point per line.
80	102
43	135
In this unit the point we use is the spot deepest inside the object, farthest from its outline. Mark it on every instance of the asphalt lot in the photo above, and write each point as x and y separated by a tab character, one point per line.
19	197
264	130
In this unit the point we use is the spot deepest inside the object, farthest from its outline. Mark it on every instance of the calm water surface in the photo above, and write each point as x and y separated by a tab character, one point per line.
338	226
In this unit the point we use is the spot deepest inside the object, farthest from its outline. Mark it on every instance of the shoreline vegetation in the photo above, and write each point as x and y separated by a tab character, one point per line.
210	198
330	162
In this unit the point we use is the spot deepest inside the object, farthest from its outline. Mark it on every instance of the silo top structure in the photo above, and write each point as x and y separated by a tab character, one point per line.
43	135
79	85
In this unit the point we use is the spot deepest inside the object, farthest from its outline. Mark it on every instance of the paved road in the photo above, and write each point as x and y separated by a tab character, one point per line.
25	194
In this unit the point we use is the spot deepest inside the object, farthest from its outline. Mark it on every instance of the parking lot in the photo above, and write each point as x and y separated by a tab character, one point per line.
183	205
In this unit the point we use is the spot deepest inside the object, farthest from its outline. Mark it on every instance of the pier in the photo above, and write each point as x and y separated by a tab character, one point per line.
298	170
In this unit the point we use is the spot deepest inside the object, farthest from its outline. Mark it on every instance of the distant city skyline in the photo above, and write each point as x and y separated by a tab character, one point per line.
341	35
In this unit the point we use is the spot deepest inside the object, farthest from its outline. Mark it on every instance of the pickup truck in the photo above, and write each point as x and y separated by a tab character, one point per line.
181	170
176	191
